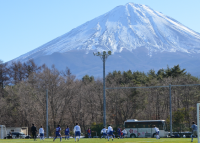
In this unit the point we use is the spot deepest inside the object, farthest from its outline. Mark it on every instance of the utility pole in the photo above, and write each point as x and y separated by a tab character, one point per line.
170	101
103	56
47	132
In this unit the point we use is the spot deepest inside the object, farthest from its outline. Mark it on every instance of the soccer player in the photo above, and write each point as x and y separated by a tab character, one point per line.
34	130
58	130
113	134
41	132
77	131
124	133
110	132
157	132
104	132
119	132
89	132
67	133
194	130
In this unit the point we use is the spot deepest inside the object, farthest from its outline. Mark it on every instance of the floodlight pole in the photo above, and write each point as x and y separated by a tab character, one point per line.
103	56
104	92
170	98
47	132
198	121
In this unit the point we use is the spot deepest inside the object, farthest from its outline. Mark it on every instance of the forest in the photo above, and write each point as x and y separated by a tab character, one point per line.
23	88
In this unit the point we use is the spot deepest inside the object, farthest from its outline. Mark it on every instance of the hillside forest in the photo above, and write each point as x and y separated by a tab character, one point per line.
23	88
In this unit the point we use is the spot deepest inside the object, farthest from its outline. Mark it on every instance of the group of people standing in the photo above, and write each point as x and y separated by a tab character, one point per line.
34	131
108	133
77	132
121	133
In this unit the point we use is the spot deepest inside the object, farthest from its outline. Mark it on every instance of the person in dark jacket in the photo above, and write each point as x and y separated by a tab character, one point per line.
34	131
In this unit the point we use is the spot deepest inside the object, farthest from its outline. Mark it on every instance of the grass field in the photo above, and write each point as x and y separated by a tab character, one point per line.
129	140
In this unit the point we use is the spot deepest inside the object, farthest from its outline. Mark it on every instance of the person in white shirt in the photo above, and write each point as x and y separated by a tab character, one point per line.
104	132
41	132
110	132
77	131
124	132
157	132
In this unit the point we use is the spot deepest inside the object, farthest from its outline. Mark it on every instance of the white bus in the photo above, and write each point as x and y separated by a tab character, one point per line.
144	128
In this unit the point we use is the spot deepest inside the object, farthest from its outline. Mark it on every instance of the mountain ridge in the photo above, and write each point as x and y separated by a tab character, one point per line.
127	27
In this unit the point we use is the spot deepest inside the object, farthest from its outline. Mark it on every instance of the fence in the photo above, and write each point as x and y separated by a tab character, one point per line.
170	95
51	132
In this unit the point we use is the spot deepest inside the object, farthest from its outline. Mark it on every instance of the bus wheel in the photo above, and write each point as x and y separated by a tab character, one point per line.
133	136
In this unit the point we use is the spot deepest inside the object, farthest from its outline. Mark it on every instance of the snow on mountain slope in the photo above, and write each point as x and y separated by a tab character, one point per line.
139	37
125	27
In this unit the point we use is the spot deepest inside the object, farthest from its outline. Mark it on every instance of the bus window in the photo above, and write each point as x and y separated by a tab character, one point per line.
148	125
158	125
140	125
135	125
144	125
127	125
164	126
130	125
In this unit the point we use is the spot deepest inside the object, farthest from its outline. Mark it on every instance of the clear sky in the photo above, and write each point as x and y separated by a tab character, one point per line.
28	24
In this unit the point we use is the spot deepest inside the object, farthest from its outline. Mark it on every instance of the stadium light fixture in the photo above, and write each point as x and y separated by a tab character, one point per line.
103	56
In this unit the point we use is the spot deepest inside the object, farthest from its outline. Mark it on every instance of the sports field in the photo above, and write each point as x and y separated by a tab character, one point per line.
135	140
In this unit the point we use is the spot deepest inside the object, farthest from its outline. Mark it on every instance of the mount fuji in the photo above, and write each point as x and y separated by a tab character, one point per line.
139	37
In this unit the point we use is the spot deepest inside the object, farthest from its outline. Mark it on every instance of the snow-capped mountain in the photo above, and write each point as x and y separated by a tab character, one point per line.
136	35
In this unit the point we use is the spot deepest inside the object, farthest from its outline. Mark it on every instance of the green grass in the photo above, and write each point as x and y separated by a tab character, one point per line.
86	140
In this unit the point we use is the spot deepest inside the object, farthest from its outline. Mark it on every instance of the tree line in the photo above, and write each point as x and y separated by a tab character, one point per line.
24	86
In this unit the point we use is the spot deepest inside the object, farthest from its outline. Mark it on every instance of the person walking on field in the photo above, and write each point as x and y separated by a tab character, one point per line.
104	132
77	131
124	133
194	130
110	132
157	132
58	130
119	132
34	130
67	133
41	132
89	132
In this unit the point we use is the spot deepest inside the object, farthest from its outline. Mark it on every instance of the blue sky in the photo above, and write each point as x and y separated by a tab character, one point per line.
28	24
